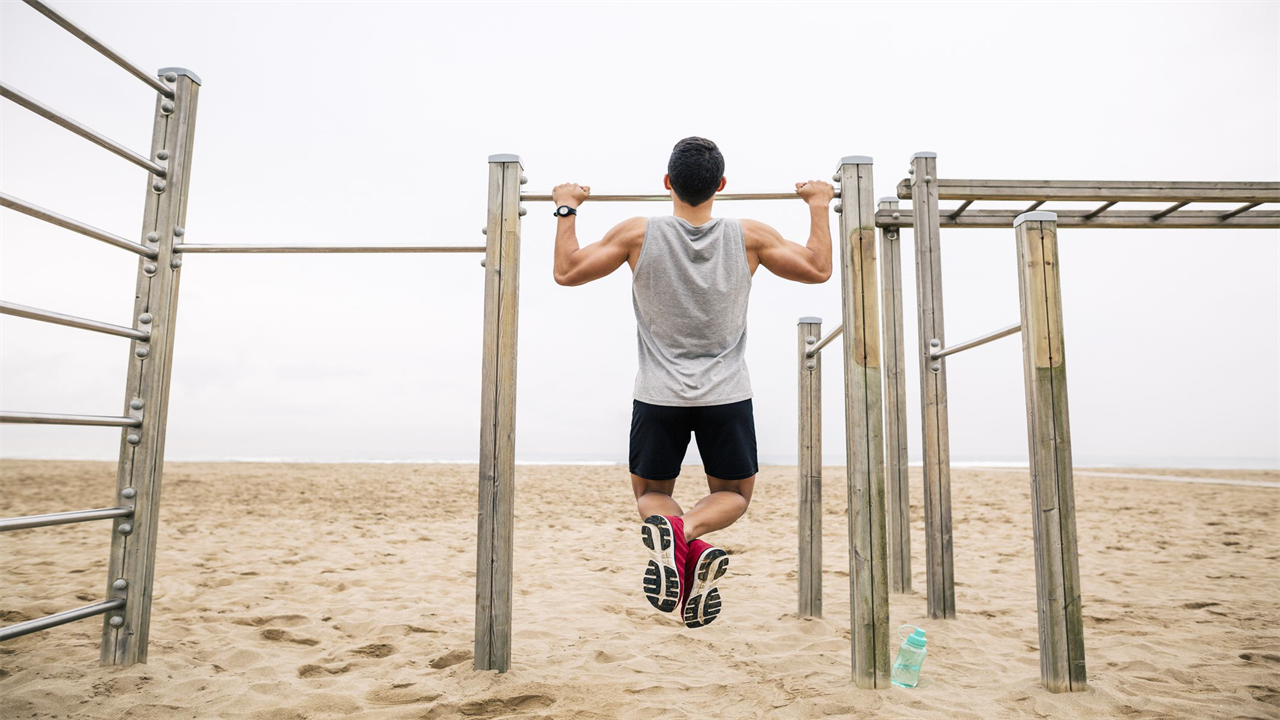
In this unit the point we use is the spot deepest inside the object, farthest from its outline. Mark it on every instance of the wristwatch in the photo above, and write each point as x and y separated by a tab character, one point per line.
565	211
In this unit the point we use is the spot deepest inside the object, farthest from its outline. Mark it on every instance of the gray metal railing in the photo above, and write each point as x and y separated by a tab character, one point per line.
937	352
63	221
10	632
23	311
63	518
96	44
89	134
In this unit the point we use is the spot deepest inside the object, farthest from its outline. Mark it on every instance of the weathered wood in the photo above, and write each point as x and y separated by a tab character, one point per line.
1062	663
133	539
1103	191
810	462
939	568
1112	219
898	489
864	433
494	545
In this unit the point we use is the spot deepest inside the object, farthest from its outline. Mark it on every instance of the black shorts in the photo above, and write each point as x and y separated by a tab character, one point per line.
726	437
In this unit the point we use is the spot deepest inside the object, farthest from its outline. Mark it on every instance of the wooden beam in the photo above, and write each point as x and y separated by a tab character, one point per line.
898	489
132	564
1114	220
494	544
939	568
810	480
1102	191
1062	664
864	434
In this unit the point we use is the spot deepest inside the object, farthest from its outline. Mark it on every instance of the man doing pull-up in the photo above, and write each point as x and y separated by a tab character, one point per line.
691	276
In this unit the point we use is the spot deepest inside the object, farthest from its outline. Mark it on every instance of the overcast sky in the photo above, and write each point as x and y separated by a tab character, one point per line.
371	123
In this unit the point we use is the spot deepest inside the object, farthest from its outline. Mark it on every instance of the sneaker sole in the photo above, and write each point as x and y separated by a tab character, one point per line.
703	605
661	580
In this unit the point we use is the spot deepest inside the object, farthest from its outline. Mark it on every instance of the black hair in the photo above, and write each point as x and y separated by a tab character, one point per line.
696	168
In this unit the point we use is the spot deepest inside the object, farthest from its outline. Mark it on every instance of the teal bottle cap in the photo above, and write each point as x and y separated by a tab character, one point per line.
916	639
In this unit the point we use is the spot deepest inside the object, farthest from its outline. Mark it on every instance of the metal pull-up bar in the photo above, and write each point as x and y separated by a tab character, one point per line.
937	352
667	198
189	248
101	47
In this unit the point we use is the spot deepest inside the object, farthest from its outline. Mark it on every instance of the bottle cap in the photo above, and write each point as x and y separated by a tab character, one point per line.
916	639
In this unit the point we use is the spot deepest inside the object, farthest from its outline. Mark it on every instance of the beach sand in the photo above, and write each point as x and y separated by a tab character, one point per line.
290	591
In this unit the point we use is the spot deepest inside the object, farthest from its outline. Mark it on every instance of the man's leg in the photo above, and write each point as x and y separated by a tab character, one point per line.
653	497
727	502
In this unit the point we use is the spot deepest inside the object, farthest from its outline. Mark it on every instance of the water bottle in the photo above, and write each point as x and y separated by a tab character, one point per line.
906	668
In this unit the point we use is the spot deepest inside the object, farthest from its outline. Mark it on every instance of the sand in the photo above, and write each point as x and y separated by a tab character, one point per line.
317	591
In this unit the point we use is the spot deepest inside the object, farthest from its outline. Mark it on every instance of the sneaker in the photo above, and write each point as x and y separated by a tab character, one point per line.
707	565
663	537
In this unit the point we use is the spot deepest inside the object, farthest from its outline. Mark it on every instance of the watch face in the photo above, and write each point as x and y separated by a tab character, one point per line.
563	210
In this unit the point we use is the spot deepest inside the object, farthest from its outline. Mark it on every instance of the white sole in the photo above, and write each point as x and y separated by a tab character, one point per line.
704	602
661	579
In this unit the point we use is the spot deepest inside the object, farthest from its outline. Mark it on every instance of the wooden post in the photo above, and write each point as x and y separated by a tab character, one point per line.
125	633
864	432
810	462
498	417
1062	666
939	571
895	407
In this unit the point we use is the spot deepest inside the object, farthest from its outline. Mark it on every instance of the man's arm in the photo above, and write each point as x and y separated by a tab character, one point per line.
575	265
808	263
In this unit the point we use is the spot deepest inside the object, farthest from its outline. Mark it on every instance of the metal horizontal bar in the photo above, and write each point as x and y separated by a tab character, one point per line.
1116	219
101	47
190	248
981	340
1032	207
23	311
667	198
57	419
89	134
1102	191
63	221
817	348
63	518
10	632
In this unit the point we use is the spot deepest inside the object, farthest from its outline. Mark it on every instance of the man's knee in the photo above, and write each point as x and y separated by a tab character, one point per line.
642	486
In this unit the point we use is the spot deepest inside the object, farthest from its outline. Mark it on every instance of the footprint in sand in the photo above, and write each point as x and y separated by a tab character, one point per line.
315	671
278	635
376	650
451	658
407	694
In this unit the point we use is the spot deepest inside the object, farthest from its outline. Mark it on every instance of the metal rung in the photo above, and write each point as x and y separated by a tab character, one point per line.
26	628
23	311
63	518
824	342
56	419
667	198
101	47
1099	210
63	221
89	134
960	210
981	340
189	248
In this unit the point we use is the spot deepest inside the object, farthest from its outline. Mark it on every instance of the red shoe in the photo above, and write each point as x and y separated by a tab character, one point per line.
663	537
706	566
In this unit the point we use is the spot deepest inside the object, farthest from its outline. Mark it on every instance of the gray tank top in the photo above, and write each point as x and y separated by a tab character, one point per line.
690	292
